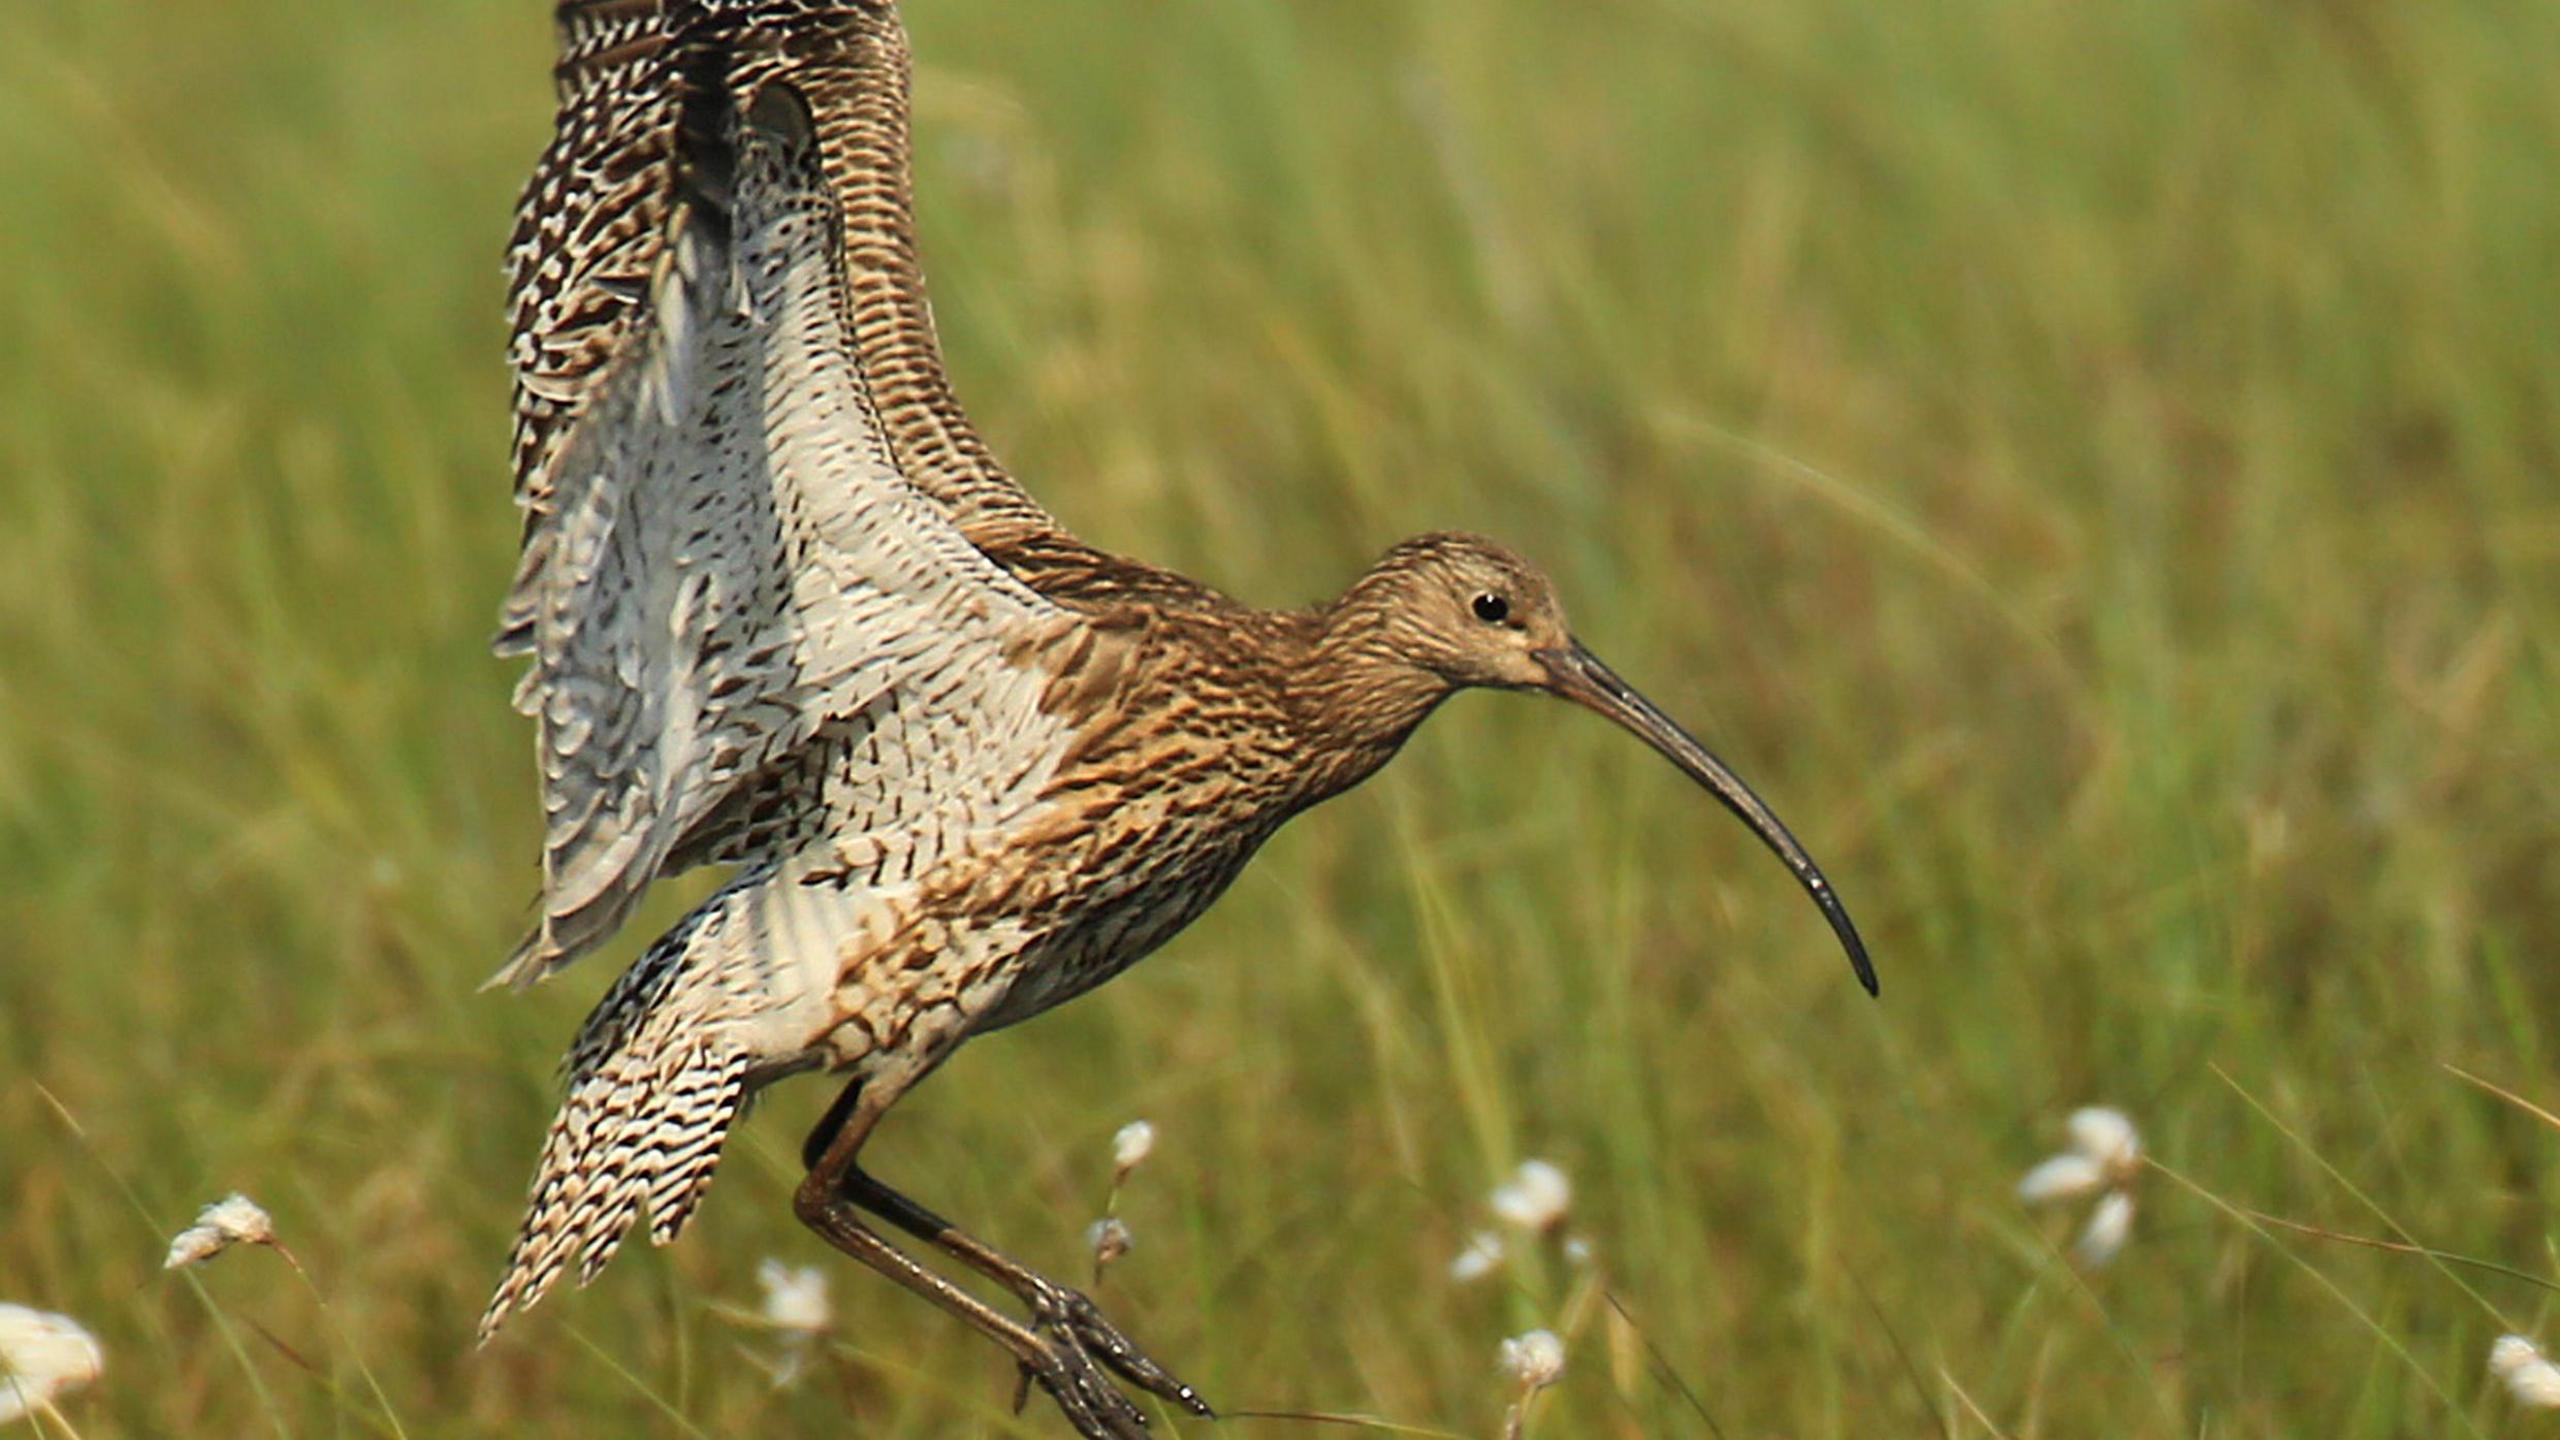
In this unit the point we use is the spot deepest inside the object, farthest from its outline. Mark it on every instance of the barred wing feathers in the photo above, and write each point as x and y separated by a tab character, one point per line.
731	559
592	235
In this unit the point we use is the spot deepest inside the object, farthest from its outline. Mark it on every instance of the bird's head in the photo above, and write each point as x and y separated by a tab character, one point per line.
1467	612
1464	610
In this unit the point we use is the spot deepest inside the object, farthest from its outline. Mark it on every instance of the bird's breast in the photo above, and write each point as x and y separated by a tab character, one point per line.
1135	843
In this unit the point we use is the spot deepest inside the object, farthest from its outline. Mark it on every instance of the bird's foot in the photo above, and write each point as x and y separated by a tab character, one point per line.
1084	1352
1090	1401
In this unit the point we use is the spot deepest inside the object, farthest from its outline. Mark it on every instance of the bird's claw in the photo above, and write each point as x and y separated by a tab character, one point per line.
1082	1353
1084	1393
1068	1315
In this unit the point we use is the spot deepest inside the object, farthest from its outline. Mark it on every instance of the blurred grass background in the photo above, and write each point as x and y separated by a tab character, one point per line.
2091	466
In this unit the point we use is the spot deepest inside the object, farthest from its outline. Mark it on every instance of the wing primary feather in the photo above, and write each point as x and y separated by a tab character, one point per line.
731	558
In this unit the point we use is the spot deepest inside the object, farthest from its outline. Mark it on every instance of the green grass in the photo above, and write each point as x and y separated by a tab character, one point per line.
2091	466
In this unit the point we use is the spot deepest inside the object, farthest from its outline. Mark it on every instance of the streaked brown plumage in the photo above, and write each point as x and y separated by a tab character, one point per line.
786	613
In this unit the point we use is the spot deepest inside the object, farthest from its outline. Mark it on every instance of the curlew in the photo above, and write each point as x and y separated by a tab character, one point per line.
787	615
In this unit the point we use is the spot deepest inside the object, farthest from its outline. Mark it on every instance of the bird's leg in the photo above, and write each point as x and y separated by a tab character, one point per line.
1055	1308
1048	1355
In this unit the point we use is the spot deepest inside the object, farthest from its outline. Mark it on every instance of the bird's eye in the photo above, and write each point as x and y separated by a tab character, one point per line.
1492	609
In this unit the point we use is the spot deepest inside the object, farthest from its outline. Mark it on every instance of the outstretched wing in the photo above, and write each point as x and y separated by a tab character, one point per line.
728	561
592	232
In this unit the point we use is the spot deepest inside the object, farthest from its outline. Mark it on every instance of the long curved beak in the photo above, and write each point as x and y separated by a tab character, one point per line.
1577	675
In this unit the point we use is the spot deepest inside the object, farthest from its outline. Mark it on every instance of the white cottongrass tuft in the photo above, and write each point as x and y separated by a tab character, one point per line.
42	1356
2529	1377
1131	1146
2064	1177
2107	1137
797	1308
1483	1255
1109	1239
232	1220
1536	1198
2110	1225
795	1298
1536	1359
2104	1159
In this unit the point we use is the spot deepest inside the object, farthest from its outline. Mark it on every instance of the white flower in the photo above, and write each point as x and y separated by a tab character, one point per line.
2110	1225
1131	1146
1536	1198
232	1220
1108	1239
795	1298
1482	1255
2064	1177
1577	1251
1536	1359
42	1355
2533	1380
2105	1150
797	1309
2105	1155
2108	1139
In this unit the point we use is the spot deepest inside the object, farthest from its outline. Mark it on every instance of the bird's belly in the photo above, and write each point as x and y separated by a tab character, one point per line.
996	938
1109	921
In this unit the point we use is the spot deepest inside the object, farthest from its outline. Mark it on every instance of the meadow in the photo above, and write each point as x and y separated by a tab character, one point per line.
2091	466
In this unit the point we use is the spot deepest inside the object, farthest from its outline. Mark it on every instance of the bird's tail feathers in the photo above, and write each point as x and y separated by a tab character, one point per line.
652	1092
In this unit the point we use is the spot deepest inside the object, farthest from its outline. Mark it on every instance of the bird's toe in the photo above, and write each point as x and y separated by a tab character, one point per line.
1085	1395
1072	1317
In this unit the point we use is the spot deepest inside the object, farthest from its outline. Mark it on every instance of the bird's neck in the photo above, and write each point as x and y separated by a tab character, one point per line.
1358	697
